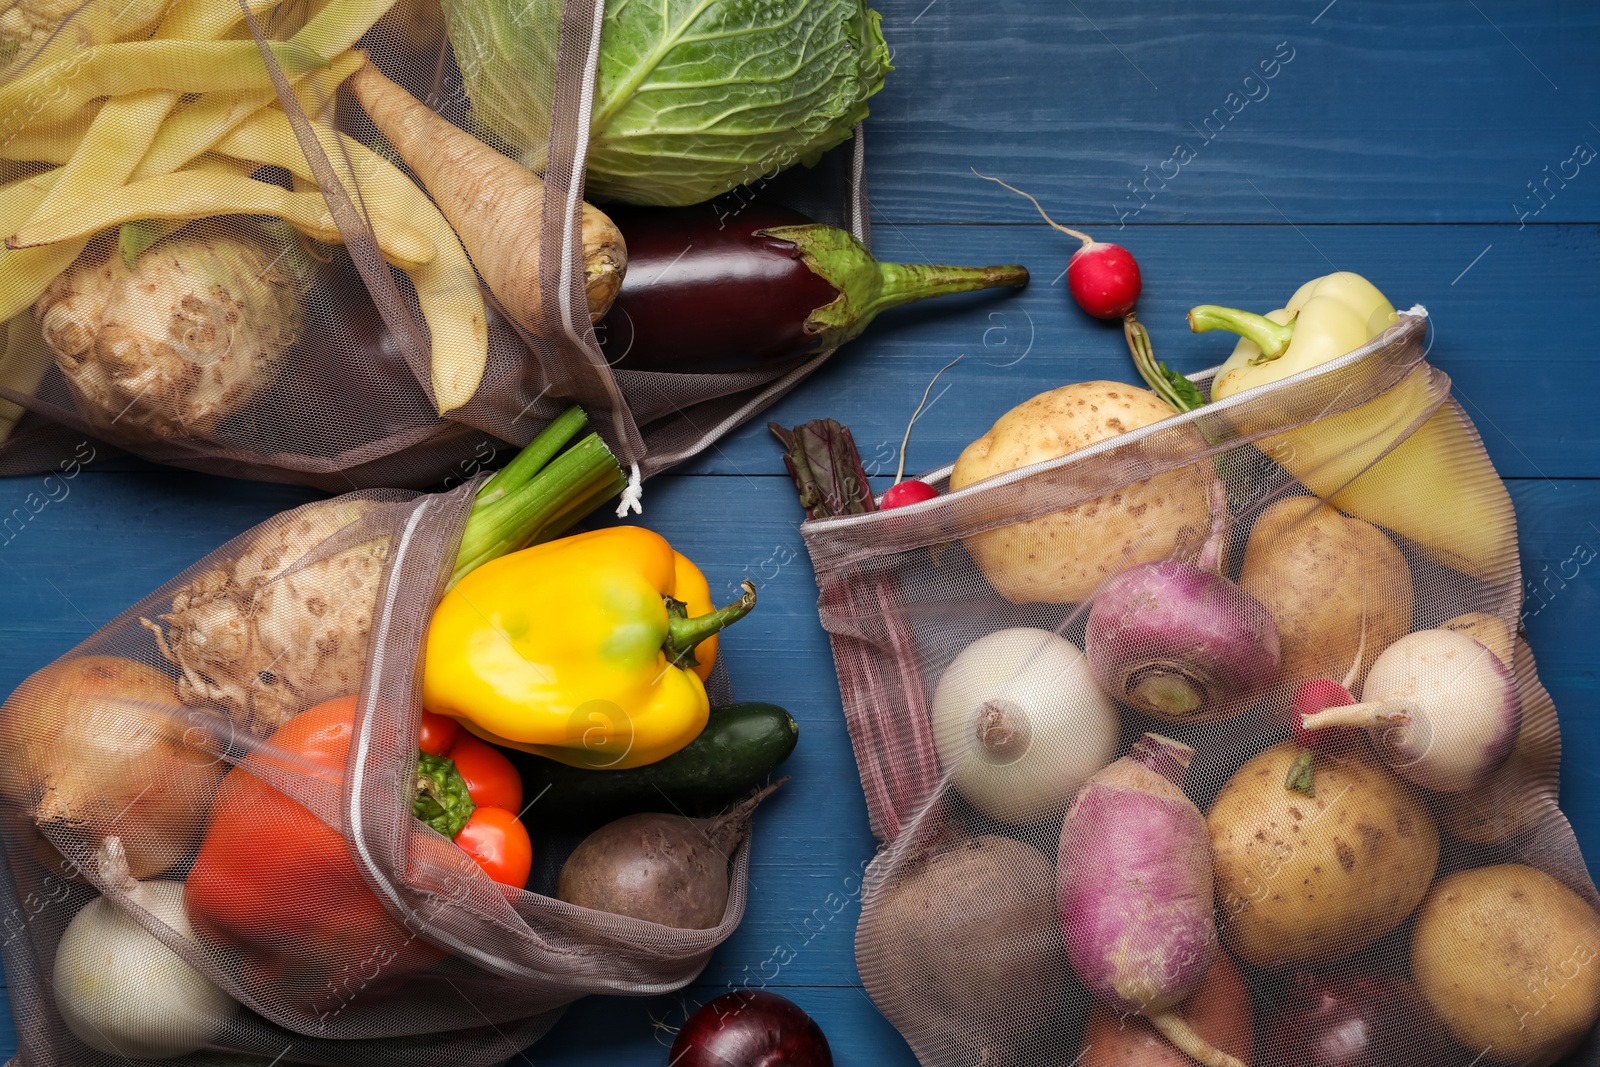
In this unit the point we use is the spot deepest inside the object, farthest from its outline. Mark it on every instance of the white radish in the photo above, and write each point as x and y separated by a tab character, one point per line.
120	990
1441	709
1019	723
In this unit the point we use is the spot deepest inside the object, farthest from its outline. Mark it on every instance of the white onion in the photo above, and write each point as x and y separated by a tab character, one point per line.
123	992
1020	724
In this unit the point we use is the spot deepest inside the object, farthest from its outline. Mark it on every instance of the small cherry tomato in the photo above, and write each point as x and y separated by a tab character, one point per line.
438	733
498	841
492	781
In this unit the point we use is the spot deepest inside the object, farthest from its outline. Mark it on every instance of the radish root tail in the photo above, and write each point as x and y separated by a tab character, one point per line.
1178	1031
900	471
1372	713
1079	234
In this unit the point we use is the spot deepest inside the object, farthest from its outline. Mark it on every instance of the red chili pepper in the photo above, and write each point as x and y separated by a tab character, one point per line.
484	823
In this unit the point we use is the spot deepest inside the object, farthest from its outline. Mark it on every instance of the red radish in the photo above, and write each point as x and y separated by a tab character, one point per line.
1317	695
1441	709
906	491
1104	279
750	1028
1134	889
1312	697
1178	640
910	491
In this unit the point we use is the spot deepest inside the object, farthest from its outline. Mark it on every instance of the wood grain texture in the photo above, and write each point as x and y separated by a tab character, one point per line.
1513	331
811	839
1428	111
1413	143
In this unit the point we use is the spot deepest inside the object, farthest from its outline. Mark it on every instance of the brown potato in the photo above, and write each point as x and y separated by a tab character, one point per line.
1313	879
1490	631
1061	557
1320	573
1510	959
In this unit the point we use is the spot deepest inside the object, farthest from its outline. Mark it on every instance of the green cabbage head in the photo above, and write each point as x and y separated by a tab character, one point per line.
693	97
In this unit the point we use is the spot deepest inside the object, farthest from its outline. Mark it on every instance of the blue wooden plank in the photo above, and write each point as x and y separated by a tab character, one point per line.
1162	111
1509	309
811	838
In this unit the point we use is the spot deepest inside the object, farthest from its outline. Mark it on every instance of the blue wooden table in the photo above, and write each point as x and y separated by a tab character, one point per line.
1447	149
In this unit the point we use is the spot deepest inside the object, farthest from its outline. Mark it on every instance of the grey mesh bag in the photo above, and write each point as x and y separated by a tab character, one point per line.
1414	882
331	380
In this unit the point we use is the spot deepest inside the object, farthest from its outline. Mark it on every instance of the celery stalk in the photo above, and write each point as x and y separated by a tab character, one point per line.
540	495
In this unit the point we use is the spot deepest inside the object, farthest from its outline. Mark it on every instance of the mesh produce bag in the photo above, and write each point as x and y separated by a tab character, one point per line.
1413	885
324	353
276	849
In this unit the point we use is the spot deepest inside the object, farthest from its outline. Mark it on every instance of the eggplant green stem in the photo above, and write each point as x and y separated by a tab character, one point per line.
539	495
685	633
866	287
1270	337
906	283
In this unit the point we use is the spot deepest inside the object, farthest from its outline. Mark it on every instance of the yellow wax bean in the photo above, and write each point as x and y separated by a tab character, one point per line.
96	22
109	151
61	91
25	272
195	128
339	25
24	361
207	20
447	288
202	192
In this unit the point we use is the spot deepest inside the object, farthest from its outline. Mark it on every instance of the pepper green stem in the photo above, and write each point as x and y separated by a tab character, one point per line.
539	495
1270	337
685	633
443	800
867	287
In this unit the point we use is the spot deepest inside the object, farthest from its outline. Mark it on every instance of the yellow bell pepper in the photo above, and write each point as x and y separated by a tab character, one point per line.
1436	487
591	649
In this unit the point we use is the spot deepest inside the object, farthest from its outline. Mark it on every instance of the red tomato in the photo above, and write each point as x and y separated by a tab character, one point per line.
492	781
499	843
438	733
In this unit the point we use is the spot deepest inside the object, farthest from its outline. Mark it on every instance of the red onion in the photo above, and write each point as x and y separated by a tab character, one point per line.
750	1028
1355	1020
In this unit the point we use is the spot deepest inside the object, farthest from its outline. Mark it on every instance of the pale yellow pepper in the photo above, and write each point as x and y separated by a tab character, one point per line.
1437	487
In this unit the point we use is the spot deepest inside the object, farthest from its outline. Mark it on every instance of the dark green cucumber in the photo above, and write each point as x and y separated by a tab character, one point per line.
736	752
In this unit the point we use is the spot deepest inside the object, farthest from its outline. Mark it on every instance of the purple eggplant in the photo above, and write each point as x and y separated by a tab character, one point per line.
709	292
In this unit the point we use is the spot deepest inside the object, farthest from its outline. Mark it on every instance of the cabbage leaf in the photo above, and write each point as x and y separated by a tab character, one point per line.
692	98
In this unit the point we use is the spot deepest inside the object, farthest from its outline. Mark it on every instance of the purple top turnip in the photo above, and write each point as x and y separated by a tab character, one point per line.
1441	709
1134	889
1179	641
